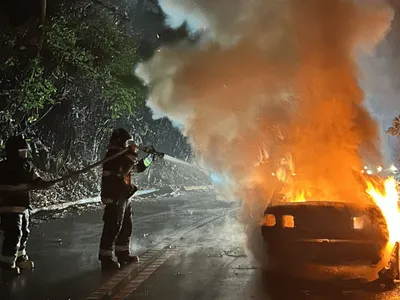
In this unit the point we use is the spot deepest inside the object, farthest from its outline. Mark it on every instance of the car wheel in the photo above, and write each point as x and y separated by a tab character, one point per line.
390	274
397	261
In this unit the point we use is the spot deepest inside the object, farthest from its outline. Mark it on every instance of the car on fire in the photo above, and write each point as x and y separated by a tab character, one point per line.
318	240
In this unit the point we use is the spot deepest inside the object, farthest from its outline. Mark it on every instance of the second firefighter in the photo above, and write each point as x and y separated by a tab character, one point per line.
116	191
16	170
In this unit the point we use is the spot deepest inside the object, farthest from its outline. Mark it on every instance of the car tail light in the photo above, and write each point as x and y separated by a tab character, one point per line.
288	221
269	220
360	222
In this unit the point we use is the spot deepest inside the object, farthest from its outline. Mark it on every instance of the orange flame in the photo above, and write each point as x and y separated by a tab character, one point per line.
300	197
388	204
296	196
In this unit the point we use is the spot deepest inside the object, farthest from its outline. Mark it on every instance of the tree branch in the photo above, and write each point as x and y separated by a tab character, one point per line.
42	21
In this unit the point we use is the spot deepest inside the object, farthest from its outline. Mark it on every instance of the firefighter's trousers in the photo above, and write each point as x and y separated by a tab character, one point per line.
117	230
15	227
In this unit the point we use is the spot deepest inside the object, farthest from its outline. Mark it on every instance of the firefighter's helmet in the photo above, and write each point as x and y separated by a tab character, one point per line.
16	146
119	138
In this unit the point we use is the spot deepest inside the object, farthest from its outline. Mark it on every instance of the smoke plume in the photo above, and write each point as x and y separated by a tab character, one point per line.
269	93
381	83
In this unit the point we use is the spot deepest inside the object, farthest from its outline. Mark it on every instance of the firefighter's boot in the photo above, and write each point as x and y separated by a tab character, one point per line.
127	259
9	269
108	264
23	262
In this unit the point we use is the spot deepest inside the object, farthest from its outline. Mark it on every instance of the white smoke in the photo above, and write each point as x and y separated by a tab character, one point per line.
269	79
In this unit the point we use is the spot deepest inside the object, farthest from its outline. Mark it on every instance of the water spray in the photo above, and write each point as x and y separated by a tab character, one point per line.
25	187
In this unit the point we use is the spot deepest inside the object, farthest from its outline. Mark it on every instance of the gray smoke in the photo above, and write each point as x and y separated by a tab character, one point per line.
381	83
267	80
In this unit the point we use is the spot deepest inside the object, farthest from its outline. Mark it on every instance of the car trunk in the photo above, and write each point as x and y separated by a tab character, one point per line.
324	233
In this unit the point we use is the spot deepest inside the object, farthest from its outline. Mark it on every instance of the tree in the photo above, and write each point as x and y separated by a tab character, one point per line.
68	83
67	80
395	128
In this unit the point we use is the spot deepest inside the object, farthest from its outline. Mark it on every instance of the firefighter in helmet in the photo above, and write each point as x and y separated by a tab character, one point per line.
16	170
116	190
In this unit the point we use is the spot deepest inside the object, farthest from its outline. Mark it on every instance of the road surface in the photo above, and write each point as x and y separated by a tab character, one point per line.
190	246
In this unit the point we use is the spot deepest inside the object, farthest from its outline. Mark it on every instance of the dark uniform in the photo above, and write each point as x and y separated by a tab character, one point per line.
14	206
116	190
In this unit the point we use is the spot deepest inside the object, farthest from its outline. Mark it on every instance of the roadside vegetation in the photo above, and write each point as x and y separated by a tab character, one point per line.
67	80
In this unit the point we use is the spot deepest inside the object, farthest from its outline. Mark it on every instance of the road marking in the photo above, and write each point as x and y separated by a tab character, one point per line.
142	276
124	275
130	272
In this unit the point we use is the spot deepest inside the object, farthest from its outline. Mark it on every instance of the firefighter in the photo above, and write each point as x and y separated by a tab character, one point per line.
16	169
116	190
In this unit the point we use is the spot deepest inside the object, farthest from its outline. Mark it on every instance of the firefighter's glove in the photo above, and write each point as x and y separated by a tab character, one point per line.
148	160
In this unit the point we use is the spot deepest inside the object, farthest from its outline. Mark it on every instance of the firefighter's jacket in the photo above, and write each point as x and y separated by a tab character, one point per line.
116	182
16	172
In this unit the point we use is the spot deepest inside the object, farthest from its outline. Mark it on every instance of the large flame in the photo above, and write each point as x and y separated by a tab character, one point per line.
387	201
265	78
300	197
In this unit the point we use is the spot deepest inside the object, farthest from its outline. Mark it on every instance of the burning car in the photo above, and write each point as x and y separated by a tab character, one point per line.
330	240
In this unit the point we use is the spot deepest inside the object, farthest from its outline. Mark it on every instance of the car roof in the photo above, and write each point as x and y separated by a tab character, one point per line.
324	203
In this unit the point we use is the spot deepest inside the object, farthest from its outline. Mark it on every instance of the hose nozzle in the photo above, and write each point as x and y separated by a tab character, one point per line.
151	150
147	149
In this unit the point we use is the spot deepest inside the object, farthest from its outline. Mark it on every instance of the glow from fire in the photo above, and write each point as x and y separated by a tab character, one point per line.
296	195
299	197
388	204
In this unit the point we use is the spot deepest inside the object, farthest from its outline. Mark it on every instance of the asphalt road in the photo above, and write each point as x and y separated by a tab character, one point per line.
190	246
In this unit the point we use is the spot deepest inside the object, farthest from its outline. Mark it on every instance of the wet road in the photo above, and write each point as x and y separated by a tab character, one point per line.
204	269
203	260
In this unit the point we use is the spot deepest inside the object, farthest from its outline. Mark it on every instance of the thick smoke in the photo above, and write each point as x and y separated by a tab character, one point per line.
381	83
270	91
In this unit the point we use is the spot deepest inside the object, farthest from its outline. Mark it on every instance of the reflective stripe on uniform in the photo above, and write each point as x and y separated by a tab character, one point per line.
35	175
107	201
147	161
103	252
21	253
17	187
110	173
120	248
8	259
13	209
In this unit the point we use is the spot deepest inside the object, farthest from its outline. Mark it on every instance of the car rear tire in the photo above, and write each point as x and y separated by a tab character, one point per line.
390	275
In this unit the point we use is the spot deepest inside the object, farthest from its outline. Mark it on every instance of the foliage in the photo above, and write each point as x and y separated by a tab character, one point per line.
97	50
80	87
395	128
70	96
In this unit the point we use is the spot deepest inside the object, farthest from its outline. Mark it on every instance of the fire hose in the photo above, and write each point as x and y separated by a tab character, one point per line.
31	186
